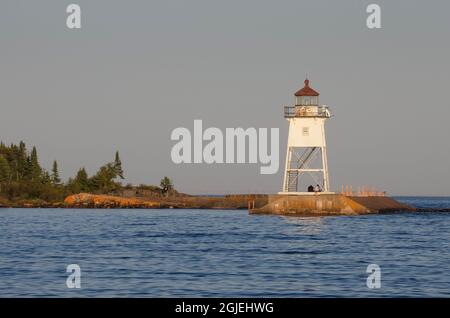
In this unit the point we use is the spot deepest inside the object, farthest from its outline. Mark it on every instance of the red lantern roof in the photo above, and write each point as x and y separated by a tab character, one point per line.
307	91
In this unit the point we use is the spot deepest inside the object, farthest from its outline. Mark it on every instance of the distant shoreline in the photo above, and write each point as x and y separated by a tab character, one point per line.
93	201
254	203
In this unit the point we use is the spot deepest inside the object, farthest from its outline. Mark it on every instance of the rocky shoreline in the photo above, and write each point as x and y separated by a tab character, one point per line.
93	201
322	205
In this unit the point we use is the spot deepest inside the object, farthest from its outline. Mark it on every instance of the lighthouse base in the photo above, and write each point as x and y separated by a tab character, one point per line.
305	193
321	204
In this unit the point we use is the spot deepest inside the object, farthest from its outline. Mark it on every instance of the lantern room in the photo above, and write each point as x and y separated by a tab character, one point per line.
306	96
306	104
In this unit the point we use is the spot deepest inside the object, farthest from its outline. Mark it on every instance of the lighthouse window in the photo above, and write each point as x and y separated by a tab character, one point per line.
306	100
305	131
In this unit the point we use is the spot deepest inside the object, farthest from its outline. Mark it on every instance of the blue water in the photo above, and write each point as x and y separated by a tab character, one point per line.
195	253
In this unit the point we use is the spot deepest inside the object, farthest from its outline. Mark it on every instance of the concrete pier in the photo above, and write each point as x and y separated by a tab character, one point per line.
312	204
329	204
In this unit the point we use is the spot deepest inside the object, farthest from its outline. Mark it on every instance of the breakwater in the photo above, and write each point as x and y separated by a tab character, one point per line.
293	205
316	204
329	204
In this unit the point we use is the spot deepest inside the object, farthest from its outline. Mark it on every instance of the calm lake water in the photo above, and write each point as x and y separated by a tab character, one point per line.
195	253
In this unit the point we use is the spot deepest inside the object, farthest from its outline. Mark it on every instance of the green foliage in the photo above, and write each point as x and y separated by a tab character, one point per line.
34	168
22	160
5	170
80	183
118	166
166	185
23	178
55	179
103	180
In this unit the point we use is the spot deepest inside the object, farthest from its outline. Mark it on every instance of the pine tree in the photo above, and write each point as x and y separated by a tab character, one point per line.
103	180
27	170
14	166
46	178
55	174
118	166
21	159
5	171
36	169
80	183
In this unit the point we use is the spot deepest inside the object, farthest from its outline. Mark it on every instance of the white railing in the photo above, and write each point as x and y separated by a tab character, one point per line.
306	111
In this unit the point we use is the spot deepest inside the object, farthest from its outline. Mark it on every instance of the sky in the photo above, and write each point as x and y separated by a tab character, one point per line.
136	70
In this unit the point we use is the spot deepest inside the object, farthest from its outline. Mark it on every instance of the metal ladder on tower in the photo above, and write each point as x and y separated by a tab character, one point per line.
292	181
308	155
292	177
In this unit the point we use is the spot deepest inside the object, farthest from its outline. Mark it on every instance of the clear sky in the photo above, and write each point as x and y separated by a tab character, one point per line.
138	69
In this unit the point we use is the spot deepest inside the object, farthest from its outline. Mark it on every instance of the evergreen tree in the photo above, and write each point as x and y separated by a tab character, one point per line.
14	170
55	179
5	171
118	166
82	180
103	180
21	158
26	170
166	185
46	178
35	168
22	177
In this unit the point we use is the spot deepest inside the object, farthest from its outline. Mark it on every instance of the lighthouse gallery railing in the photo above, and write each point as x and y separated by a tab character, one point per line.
306	111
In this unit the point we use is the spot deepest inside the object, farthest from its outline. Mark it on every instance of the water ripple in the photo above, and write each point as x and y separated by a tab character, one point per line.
201	253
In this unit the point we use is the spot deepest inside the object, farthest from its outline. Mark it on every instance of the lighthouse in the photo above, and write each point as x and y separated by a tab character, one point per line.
306	155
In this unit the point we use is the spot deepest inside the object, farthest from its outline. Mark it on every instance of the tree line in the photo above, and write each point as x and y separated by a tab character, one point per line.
22	177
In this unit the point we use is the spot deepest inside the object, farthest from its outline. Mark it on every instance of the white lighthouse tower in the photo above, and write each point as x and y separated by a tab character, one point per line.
306	156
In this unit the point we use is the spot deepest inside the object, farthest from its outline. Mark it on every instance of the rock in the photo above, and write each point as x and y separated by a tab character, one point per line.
106	201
